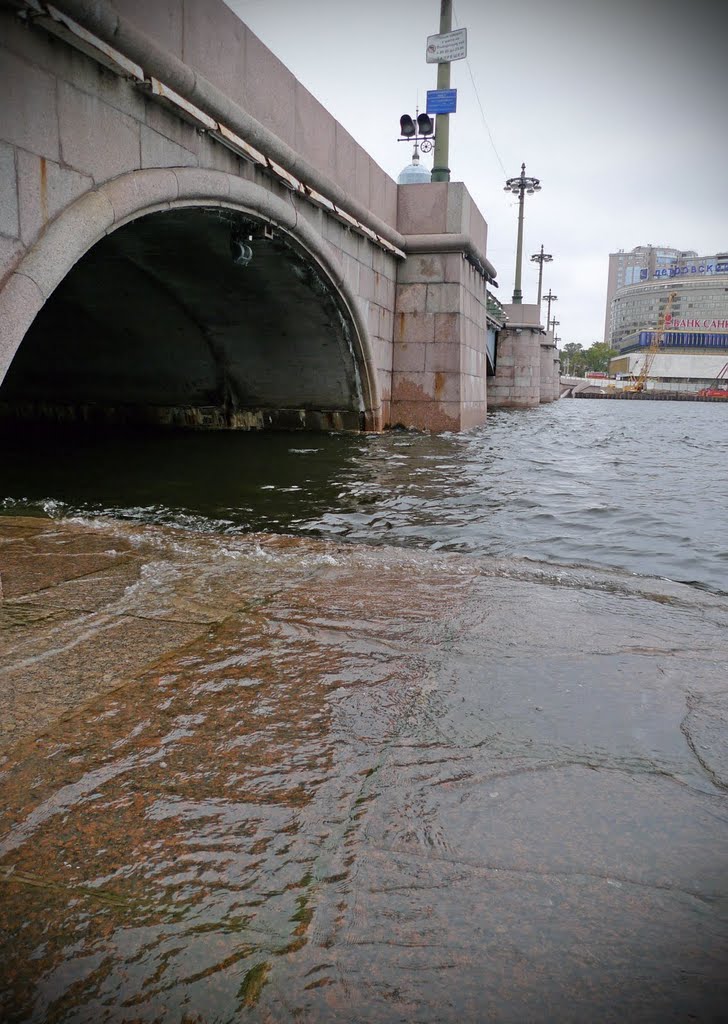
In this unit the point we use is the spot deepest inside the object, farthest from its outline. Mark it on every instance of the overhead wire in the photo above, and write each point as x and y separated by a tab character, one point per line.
480	105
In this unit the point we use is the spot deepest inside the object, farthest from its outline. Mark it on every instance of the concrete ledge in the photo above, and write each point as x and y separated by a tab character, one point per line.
522	314
442	243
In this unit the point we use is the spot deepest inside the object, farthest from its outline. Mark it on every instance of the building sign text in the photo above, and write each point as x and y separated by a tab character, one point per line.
673	324
689	268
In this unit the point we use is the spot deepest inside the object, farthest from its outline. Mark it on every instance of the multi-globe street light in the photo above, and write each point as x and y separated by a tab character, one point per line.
541	258
552	325
549	299
521	186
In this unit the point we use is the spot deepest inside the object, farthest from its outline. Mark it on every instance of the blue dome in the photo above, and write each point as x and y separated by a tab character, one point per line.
414	173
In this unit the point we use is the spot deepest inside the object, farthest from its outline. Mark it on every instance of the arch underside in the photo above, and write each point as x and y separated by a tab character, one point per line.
158	324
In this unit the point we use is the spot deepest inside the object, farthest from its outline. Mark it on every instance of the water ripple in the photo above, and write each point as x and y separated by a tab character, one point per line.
639	486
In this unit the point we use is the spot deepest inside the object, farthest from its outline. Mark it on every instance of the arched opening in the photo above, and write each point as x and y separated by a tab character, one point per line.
166	321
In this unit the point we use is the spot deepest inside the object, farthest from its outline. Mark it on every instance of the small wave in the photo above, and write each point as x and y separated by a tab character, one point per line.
638	486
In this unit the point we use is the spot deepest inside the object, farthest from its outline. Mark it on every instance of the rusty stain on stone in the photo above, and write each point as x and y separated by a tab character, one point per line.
43	188
411	403
400	326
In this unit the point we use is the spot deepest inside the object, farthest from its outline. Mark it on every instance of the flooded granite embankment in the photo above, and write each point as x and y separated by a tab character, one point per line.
293	780
640	486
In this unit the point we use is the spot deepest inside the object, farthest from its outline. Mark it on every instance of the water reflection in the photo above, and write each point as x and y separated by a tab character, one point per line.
641	486
218	482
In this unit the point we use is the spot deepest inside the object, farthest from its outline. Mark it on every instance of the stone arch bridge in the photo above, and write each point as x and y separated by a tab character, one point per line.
187	237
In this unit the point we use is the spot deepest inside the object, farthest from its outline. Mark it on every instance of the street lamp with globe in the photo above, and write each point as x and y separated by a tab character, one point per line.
521	186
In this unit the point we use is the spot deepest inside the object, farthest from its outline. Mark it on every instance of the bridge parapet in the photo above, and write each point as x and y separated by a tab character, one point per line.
211	39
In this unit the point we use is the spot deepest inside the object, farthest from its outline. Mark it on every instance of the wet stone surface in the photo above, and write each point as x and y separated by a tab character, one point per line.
275	779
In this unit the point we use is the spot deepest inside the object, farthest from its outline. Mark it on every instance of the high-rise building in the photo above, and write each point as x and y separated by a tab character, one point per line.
628	268
695	343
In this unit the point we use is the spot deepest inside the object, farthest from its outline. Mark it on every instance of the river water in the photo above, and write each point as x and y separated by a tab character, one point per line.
401	728
642	486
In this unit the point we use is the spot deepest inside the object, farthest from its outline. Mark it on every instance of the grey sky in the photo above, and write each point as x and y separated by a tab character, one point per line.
620	107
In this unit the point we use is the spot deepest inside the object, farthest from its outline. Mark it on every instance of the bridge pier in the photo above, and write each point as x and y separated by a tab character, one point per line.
440	315
527	365
549	369
517	380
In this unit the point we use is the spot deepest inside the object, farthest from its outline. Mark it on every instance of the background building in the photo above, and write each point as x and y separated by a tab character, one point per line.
694	347
628	268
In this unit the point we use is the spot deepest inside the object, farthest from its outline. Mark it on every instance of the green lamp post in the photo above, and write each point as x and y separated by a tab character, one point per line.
440	169
541	258
521	186
549	299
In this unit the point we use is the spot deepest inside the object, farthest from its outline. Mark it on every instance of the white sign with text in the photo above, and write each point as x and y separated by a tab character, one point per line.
447	46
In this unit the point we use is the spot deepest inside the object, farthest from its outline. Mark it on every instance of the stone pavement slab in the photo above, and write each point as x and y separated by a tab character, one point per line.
283	779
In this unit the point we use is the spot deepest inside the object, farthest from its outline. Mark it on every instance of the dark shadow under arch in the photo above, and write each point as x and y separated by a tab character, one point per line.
157	323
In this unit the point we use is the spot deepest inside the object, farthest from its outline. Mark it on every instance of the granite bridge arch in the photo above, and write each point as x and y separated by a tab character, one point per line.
138	144
133	309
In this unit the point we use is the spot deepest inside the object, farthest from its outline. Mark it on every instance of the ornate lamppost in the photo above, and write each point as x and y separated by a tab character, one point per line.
549	299
520	186
541	258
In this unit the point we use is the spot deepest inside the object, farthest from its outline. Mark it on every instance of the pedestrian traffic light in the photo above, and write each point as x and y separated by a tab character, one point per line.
421	129
407	126
424	124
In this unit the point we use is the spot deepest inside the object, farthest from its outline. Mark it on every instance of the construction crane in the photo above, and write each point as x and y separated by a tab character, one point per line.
717	388
639	382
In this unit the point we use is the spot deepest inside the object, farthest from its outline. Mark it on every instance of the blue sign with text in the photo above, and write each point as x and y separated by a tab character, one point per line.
442	101
692	268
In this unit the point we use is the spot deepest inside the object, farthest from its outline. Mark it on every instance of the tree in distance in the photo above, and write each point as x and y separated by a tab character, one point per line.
577	360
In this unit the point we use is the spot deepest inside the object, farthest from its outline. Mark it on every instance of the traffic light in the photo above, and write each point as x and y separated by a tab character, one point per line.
407	126
424	124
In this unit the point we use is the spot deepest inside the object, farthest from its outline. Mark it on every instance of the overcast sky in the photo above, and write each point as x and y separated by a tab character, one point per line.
620	107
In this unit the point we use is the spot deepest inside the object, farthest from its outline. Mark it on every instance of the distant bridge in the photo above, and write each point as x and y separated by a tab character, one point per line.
188	237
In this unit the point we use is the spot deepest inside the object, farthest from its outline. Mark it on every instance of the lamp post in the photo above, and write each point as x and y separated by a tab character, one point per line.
519	187
553	324
440	168
541	258
549	299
